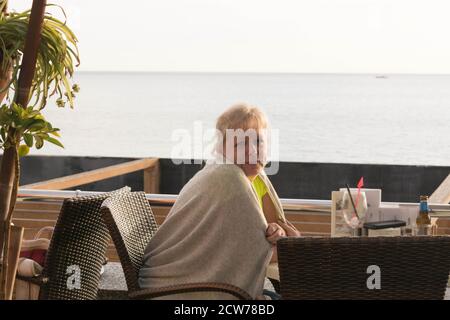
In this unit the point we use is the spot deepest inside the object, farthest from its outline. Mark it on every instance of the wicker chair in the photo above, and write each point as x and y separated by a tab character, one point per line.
131	223
337	268
77	248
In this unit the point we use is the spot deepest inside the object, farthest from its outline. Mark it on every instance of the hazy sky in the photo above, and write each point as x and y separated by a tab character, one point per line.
327	36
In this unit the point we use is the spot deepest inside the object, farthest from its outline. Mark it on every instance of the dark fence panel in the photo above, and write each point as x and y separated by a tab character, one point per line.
293	180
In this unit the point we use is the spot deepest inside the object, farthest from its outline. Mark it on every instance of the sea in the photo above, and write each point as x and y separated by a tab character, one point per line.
331	118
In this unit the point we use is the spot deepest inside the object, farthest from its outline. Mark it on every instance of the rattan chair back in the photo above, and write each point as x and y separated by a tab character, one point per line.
131	224
77	250
415	267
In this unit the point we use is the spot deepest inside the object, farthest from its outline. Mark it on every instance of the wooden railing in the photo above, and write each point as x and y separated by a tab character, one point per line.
149	166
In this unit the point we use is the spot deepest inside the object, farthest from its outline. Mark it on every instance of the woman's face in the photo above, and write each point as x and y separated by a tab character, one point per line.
249	151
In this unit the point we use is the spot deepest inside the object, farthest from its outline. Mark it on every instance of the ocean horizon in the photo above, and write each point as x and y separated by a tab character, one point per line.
373	118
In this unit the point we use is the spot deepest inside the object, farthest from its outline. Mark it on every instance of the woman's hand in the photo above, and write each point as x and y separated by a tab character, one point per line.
274	232
291	231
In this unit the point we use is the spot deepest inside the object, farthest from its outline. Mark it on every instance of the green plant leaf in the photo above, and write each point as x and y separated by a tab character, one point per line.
37	125
55	133
28	138
23	150
54	141
16	108
39	142
3	133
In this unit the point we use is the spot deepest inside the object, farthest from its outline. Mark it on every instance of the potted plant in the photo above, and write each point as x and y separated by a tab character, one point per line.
38	53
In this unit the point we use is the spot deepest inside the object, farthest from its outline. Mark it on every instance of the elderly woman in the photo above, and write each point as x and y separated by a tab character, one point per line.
226	220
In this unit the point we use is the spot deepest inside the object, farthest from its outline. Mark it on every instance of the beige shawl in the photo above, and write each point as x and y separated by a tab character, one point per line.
215	232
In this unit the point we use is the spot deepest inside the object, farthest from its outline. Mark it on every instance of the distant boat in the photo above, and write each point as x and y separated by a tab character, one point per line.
381	77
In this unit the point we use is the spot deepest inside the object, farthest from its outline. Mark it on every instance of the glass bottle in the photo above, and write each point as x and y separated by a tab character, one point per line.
423	221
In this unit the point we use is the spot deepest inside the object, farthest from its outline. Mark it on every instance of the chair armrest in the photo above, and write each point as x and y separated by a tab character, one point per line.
39	280
190	287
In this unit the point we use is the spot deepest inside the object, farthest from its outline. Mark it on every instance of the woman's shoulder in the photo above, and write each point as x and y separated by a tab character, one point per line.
226	179
226	172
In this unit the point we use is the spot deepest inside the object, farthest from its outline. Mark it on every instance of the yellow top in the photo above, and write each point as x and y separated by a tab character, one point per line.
260	188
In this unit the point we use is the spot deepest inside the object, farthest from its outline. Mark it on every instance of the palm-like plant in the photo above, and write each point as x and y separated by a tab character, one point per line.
55	61
38	54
